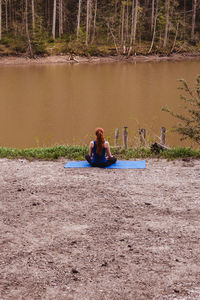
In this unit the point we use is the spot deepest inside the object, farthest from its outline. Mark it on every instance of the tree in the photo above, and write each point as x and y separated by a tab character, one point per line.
0	19
184	19
152	14
78	18
167	3
190	123
94	24
127	19
194	8
60	17
122	23
30	51
33	15
6	13
154	27
54	20
132	22
135	21
87	21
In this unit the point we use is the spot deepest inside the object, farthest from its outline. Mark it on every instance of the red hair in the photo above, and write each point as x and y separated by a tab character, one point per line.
100	140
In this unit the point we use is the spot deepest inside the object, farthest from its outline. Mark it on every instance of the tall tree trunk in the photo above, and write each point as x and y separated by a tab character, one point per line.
78	18
176	34
167	3
127	16
87	21
194	9
114	40
116	10
10	12
6	13
13	17
27	30
122	28
54	20
184	19
132	22
152	15
33	16
0	20
60	17
154	26
90	17
94	24
26	17
135	21
48	15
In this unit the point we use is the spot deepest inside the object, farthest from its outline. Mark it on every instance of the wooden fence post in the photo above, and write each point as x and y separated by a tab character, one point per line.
125	137
163	135
142	133
117	137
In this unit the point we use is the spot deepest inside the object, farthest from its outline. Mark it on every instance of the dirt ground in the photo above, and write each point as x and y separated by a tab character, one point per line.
66	59
96	234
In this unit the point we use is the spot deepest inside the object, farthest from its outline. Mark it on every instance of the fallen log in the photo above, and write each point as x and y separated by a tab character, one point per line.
71	57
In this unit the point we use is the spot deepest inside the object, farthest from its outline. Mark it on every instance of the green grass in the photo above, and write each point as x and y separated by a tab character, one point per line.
79	152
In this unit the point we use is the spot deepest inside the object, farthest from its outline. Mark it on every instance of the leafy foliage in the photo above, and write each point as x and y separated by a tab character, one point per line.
110	25
189	127
38	43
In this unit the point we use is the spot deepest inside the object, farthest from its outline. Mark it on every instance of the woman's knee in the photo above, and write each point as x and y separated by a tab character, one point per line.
87	157
113	159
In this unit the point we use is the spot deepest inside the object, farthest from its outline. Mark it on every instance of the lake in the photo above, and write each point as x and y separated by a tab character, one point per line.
43	105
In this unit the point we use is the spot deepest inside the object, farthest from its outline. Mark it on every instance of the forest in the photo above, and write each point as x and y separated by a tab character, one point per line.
99	27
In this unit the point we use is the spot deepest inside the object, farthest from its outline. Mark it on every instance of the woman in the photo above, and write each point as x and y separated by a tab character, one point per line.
97	151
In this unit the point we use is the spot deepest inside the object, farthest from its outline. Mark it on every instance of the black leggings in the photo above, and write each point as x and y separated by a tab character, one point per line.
110	161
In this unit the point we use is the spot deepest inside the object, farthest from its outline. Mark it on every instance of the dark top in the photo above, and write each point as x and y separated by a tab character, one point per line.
98	158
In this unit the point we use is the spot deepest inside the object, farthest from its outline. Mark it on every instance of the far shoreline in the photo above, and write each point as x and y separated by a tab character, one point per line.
69	59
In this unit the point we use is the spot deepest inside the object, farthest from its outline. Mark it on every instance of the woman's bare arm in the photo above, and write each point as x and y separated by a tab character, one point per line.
90	149
107	146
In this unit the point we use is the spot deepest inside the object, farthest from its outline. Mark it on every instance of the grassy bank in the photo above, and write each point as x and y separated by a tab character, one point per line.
79	152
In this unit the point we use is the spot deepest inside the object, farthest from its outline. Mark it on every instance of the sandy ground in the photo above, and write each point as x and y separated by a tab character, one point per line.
95	234
60	59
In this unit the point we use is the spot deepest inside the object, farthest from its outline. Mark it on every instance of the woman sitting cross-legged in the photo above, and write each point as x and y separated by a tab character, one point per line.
97	151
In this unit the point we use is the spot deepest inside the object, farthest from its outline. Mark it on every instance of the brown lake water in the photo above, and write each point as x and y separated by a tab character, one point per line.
42	105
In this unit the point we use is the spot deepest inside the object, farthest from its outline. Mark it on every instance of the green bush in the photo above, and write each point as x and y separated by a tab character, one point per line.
93	50
5	41
39	47
51	40
38	42
77	48
189	126
19	48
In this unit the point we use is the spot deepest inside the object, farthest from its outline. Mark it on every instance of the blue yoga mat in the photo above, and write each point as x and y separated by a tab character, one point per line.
121	164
